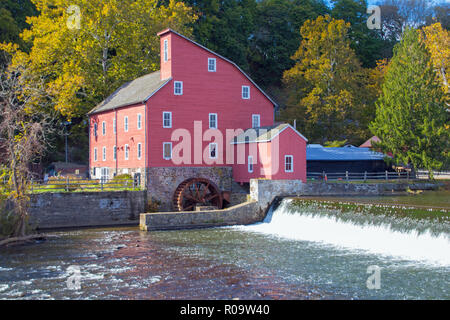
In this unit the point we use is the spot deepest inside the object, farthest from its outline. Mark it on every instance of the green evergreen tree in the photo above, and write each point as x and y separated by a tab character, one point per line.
411	118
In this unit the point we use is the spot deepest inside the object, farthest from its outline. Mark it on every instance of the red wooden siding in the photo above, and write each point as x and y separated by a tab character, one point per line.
269	158
132	138
204	92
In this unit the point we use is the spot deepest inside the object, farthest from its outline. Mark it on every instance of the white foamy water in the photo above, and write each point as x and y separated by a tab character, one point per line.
380	240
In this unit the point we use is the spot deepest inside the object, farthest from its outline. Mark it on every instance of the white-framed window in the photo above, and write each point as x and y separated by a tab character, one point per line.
104	128
167	119
95	129
212	64
245	92
104	154
127	152
167	150
139	121
250	164
213	150
166	50
125	123
139	151
256	120
289	163
95	154
213	121
115	153
178	88
114	126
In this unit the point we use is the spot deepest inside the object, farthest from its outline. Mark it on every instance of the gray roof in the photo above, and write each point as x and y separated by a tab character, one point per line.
137	91
350	153
263	134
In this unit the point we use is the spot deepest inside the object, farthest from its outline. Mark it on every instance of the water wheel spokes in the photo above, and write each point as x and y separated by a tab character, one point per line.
197	192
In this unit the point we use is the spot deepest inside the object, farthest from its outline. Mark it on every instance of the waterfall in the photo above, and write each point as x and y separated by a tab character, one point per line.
408	243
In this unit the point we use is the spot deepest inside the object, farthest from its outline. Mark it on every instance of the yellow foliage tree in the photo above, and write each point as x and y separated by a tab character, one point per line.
85	49
326	86
437	41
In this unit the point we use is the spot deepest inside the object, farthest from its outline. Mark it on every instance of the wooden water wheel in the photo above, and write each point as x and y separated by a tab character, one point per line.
197	192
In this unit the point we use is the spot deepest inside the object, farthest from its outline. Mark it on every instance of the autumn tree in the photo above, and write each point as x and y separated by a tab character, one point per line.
24	130
411	119
437	41
85	49
327	84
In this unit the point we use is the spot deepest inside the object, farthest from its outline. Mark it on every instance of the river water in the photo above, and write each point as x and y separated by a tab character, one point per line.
298	252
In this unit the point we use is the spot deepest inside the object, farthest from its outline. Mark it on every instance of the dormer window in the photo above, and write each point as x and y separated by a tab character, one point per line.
166	50
178	88
211	64
245	92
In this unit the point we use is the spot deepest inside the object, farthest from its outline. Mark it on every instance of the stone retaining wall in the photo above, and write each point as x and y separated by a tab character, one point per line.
87	209
242	214
265	191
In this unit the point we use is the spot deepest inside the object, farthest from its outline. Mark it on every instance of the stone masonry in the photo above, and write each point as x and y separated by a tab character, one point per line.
163	181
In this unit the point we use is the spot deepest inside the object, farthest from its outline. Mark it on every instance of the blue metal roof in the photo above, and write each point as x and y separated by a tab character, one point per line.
349	153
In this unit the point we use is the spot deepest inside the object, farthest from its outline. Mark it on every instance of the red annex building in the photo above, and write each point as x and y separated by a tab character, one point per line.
200	116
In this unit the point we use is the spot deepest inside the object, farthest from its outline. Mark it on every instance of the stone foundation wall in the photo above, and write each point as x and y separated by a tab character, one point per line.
87	209
265	191
163	181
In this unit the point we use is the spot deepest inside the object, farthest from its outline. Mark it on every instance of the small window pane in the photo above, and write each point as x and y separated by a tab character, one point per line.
211	65
256	121
139	150
166	50
139	121
126	152
103	128
288	163
245	92
250	164
178	88
167	119
167	152
213	121
126	124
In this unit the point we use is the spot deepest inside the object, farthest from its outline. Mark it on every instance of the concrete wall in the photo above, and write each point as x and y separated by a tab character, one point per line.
88	209
242	214
163	181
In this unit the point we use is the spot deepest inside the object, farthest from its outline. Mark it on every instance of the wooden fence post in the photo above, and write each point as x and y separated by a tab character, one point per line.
346	175
387	177
365	175
67	184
